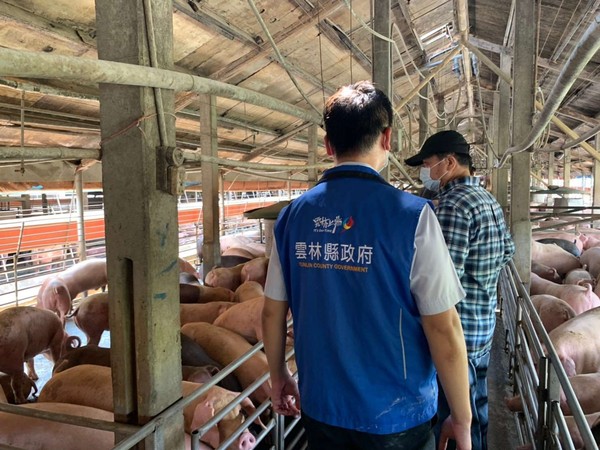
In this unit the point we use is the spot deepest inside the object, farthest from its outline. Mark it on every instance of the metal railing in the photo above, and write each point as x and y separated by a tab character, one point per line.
538	376
276	427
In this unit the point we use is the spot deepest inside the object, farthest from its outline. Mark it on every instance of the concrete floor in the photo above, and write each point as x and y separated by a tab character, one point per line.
43	366
502	434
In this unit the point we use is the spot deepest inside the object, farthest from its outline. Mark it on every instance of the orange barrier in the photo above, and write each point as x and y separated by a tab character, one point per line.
61	229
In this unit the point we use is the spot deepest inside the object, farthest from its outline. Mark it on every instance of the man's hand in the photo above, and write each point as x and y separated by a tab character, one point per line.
460	433
285	396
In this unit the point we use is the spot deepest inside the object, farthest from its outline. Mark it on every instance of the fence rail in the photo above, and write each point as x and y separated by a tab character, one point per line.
538	376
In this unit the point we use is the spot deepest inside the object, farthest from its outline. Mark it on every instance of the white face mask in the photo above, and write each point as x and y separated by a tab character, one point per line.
429	183
386	163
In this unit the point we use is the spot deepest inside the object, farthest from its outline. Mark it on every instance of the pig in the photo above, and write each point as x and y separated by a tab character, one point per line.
26	332
580	277
58	291
233	260
575	238
238	251
186	267
591	258
195	293
589	241
23	389
568	245
89	385
586	388
256	270
225	277
552	310
247	291
225	347
19	431
203	312
593	421
188	278
31	433
553	256
244	319
193	354
547	273
580	298
201	374
576	343
88	354
91	317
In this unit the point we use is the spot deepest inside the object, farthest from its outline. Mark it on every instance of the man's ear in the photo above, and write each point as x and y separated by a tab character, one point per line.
386	138
328	146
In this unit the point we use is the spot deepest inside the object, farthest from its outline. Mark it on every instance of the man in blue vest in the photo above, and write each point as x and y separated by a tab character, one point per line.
365	271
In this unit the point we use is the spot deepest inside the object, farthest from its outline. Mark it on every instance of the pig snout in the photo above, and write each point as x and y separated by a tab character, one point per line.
247	441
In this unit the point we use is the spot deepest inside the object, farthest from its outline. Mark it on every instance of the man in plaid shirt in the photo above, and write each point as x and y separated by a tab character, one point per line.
480	245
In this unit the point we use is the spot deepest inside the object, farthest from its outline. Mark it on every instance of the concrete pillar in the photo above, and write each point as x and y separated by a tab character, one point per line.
211	247
551	165
441	112
523	108
503	140
80	215
312	155
567	168
423	115
596	177
141	220
382	54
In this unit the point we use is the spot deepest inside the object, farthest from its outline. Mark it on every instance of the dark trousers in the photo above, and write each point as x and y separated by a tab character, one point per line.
321	436
479	404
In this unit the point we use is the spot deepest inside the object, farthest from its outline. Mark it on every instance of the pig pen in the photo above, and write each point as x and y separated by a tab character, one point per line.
278	432
537	375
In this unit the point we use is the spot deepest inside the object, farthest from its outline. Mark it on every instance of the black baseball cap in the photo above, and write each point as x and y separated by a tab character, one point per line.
448	141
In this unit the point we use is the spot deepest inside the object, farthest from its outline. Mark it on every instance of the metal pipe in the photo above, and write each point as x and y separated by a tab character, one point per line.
51	153
583	52
555	120
97	424
25	64
584	137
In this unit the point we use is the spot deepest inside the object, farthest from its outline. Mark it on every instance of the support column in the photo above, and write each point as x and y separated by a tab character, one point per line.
441	111
596	177
567	168
551	165
382	54
423	114
211	248
523	108
495	131
141	219
503	142
312	154
81	252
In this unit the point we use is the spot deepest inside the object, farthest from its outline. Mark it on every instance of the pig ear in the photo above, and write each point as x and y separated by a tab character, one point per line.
203	412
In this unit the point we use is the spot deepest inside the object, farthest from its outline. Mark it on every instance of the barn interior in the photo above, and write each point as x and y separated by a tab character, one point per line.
149	101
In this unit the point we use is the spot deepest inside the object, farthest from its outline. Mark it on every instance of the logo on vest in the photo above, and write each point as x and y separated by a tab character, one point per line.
331	225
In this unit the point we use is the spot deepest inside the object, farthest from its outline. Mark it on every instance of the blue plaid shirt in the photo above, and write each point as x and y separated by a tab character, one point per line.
480	245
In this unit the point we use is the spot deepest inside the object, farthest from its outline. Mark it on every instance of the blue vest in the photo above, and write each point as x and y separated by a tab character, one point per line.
346	248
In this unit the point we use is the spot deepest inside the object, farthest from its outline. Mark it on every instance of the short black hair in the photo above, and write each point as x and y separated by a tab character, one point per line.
355	116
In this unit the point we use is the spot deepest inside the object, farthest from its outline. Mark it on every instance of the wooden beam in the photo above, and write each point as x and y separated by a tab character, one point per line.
339	38
326	8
